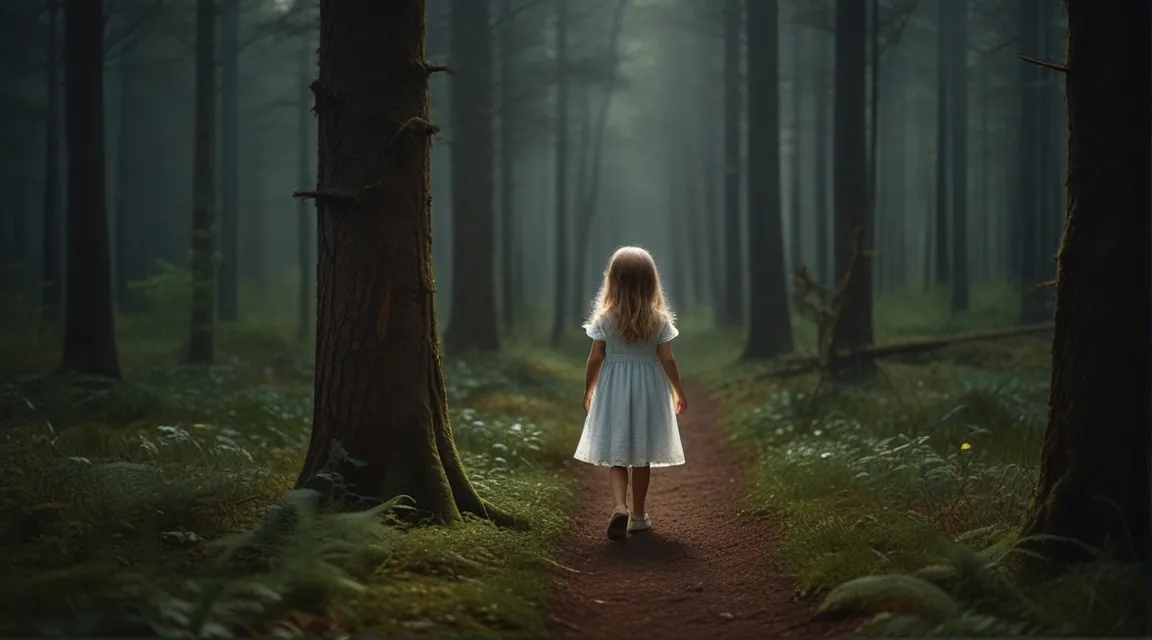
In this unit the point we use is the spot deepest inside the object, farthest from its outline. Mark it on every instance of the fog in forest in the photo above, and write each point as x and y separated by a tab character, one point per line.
225	405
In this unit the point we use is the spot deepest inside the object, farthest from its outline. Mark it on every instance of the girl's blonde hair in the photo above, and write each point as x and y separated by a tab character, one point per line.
632	296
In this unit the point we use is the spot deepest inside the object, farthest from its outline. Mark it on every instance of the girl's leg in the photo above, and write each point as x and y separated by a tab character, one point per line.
640	478
618	483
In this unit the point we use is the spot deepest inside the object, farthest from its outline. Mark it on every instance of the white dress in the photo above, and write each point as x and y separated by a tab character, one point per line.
632	419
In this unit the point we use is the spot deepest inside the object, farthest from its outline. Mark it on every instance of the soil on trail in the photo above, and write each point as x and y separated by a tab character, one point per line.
702	571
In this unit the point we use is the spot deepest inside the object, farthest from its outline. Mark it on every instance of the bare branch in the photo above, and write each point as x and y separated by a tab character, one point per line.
1055	66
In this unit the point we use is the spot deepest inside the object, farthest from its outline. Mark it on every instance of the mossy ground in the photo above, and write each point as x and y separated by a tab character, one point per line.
121	500
930	465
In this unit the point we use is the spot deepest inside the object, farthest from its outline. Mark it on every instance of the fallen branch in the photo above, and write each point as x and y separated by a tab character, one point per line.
799	365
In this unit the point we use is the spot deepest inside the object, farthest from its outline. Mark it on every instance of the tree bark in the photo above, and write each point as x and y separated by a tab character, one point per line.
733	314
591	160
89	323
822	209
51	291
229	290
201	346
874	138
474	326
379	386
508	112
1094	469
958	136
1024	238
851	176
560	250
769	318
306	261
941	260
795	237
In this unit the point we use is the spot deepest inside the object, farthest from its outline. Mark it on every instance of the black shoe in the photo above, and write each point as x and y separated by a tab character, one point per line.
618	527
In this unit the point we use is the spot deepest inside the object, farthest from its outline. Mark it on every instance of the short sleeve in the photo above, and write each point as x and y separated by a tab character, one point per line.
594	329
667	333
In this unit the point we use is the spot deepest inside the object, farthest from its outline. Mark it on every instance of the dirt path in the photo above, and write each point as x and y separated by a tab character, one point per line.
700	572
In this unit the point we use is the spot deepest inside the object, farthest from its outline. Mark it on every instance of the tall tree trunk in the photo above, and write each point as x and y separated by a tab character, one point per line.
943	154
508	111
591	159
850	175
252	223
707	140
229	293
304	237
89	323
795	237
769	319
19	229
1094	467
1027	186
896	176
124	249
560	250
822	207
958	136
201	346
874	135
379	386
51	291
733	314
474	326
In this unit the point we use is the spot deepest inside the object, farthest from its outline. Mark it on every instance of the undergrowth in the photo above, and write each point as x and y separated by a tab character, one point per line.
903	496
162	504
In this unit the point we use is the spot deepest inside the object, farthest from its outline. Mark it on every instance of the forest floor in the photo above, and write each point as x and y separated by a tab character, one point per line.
703	570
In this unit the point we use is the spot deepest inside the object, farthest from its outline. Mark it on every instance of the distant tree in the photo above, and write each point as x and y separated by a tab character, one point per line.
769	319
943	266
733	312
89	322
850	177
201	346
593	125
52	264
957	58
1094	469
509	47
560	319
305	243
379	386
229	219
474	325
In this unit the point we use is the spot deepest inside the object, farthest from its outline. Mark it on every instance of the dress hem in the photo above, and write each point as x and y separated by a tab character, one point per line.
605	463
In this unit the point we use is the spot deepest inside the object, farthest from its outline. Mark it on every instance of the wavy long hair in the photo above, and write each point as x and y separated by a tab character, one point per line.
631	295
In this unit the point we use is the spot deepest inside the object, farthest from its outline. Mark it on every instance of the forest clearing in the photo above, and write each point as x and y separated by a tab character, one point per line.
297	318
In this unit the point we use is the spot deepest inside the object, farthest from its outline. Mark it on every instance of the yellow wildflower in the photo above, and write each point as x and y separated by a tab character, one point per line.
965	446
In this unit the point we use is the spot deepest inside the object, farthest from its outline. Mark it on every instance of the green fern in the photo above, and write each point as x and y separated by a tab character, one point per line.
892	594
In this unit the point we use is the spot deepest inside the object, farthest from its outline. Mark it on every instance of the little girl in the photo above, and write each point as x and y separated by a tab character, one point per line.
632	387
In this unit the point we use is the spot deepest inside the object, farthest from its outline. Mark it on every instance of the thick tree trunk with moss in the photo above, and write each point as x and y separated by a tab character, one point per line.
1094	473
201	346
89	323
473	326
379	386
769	318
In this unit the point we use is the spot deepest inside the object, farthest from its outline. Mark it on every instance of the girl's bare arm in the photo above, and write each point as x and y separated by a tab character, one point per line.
671	369
592	370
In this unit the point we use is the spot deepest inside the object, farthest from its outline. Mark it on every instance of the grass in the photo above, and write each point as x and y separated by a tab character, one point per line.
925	473
152	505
